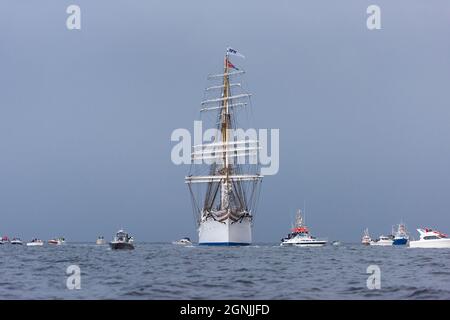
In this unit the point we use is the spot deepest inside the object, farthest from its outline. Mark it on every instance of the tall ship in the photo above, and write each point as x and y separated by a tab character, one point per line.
224	180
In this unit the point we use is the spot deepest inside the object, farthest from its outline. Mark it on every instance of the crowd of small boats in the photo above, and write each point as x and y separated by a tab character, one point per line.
120	241
33	243
299	236
428	238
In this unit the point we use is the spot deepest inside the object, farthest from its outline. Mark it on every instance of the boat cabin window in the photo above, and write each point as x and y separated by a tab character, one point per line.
430	237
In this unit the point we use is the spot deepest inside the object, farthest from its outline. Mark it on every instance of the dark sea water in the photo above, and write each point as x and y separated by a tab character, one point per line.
265	271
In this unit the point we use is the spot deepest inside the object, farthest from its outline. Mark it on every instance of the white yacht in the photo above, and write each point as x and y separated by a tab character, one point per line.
430	239
35	243
4	240
185	241
383	241
122	241
16	241
366	238
300	236
57	241
100	240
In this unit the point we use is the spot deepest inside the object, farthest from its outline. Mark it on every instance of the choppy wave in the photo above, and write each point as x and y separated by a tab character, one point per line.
263	271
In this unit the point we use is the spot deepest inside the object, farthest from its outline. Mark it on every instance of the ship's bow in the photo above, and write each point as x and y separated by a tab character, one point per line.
226	233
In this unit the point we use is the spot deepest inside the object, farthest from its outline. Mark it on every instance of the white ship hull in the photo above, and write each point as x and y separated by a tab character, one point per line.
305	244
182	243
56	242
35	244
297	242
381	243
226	233
433	243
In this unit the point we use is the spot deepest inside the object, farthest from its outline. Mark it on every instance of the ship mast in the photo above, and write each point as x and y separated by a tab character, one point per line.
231	188
225	126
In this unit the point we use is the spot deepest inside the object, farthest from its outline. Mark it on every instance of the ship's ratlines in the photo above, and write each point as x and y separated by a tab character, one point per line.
224	179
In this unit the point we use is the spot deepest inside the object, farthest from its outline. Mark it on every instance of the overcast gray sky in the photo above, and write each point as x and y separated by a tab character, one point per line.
86	116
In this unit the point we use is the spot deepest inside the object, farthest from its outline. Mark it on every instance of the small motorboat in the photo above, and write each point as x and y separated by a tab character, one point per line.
4	240
366	238
430	239
35	243
16	241
122	241
184	241
58	241
383	241
300	236
401	237
100	240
